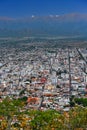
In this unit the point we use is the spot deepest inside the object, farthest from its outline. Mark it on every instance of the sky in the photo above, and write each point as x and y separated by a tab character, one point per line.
25	8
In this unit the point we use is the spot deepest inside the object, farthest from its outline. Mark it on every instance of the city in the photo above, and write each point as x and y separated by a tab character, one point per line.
47	77
43	65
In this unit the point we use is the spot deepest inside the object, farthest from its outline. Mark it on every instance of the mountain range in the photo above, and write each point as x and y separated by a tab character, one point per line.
74	24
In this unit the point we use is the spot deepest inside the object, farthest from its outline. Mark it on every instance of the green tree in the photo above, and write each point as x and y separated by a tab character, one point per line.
9	108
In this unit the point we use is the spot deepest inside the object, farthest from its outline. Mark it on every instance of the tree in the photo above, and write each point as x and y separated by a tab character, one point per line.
78	117
9	108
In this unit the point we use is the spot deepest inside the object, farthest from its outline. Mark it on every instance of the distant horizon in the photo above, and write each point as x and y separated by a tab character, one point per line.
69	16
43	18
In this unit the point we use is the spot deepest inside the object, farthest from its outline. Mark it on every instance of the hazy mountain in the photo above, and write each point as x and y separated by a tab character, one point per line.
52	25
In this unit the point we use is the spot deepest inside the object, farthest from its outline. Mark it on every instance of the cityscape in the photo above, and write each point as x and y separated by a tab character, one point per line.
46	76
43	65
36	75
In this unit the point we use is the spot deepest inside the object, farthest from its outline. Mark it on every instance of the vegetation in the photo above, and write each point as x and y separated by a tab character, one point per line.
81	101
14	116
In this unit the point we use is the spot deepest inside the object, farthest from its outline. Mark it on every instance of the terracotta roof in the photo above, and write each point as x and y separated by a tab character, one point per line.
43	80
32	99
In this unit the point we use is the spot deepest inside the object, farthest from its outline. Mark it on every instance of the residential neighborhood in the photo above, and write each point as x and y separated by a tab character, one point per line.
46	77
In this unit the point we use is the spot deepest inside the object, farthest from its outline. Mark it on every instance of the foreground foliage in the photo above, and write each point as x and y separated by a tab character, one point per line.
14	116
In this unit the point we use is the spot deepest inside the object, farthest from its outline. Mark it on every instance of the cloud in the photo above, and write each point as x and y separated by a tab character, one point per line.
33	16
